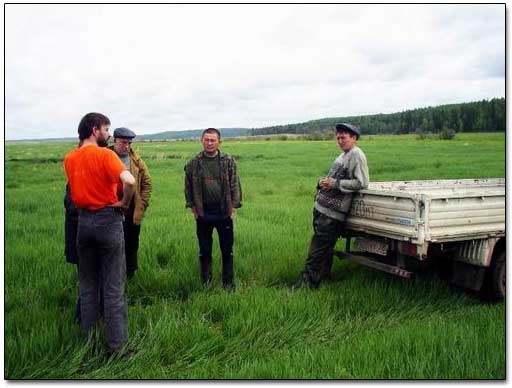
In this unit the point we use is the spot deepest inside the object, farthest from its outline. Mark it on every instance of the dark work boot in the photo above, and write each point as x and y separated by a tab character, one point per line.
326	268
227	272
76	318
229	286
205	264
305	281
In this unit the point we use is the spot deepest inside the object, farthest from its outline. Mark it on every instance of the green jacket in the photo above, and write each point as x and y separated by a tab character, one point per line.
230	184
143	186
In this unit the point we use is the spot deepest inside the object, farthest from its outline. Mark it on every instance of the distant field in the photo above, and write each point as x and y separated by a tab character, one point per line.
363	325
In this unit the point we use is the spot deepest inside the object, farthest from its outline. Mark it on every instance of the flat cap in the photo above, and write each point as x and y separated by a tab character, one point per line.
124	133
348	127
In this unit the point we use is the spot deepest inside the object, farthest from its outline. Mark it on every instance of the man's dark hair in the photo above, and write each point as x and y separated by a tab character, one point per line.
211	130
88	122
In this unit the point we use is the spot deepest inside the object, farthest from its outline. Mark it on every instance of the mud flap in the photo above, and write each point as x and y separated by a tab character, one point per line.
467	275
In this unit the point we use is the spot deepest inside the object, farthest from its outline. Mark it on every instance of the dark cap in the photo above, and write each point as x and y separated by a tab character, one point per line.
124	133
349	127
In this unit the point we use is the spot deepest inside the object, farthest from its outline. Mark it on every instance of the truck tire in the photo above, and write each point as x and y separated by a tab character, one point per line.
495	287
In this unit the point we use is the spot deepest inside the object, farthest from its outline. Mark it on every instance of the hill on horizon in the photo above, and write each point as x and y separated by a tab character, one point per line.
194	133
478	116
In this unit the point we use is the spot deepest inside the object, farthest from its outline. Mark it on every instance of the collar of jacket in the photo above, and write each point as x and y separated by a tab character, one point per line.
220	155
133	155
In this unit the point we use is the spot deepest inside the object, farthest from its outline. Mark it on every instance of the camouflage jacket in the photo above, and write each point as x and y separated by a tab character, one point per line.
230	184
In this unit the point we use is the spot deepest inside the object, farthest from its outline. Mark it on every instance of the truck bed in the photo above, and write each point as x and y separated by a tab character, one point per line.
430	210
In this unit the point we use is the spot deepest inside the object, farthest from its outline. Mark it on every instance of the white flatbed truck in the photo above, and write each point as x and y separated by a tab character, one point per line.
393	224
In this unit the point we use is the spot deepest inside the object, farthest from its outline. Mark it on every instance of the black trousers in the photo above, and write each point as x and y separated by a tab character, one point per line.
204	231
320	255
131	244
70	248
70	232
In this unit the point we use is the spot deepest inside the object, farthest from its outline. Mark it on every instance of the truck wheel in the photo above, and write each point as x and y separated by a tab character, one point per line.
496	279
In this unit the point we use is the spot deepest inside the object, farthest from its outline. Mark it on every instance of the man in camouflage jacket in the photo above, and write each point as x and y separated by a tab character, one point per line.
213	192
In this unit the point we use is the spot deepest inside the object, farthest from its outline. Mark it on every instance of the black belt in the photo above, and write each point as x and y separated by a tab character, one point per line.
107	209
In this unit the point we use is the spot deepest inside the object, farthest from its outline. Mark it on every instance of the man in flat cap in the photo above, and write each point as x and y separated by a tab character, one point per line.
348	173
123	138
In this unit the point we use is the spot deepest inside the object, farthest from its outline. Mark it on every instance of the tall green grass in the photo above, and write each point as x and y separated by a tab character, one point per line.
362	325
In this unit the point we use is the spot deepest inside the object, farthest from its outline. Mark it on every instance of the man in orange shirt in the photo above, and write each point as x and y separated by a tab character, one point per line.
93	174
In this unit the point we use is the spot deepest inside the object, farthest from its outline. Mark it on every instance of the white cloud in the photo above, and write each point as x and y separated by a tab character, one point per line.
173	67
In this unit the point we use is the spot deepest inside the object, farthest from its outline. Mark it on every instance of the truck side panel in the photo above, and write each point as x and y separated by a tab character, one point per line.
422	212
465	218
388	216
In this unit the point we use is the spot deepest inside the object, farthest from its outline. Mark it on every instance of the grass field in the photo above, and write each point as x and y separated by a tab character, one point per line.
363	325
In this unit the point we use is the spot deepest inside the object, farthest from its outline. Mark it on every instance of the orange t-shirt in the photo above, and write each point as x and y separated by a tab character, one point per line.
93	175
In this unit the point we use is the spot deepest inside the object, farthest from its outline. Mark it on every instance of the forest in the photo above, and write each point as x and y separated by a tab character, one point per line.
479	116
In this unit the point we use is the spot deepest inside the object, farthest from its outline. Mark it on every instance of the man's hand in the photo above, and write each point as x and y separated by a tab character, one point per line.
120	205
327	183
233	213
128	190
194	212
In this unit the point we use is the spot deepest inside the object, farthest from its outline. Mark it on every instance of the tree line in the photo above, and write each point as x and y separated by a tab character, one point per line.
478	116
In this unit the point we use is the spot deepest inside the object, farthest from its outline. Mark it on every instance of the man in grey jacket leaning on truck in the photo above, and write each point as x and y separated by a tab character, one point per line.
348	174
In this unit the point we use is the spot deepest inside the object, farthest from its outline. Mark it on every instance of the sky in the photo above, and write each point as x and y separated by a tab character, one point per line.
167	67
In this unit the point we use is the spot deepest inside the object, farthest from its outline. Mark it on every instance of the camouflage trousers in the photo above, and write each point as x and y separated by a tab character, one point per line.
319	261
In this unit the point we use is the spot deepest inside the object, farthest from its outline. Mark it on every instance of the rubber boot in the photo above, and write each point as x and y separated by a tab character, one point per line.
205	264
